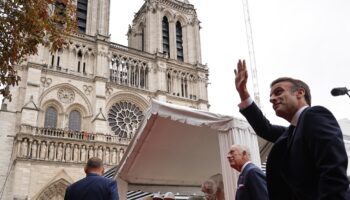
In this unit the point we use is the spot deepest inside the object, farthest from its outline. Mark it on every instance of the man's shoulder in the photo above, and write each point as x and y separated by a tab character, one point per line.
317	108
252	169
100	178
317	112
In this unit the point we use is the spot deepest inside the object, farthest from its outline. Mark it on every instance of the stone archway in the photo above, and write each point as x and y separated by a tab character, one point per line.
54	191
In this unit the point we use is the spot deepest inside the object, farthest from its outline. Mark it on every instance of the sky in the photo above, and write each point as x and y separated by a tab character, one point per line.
304	39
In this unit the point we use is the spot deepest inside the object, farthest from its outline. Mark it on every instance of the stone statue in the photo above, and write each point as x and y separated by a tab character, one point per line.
91	152
75	153
43	151
68	153
24	148
107	156
52	151
59	151
34	149
83	154
99	153
121	154
114	156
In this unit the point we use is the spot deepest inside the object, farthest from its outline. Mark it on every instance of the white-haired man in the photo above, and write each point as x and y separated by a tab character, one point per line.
251	184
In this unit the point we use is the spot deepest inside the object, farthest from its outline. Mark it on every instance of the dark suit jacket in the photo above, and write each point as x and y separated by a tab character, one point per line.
313	166
93	187
251	184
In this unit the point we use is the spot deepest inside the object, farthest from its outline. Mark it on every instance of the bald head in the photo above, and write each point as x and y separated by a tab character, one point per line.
238	156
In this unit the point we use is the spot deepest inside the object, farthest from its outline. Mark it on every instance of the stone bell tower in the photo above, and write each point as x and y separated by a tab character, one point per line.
170	27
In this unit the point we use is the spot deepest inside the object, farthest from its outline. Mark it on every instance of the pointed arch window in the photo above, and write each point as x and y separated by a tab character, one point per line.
50	117
143	38
80	60
179	47
165	29
82	15
74	121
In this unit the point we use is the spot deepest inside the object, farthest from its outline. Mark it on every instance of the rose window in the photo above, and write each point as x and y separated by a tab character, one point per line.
124	118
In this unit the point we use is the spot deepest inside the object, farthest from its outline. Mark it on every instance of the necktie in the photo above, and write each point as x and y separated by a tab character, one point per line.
290	135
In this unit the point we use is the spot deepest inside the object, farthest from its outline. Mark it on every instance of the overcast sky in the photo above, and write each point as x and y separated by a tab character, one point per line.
305	39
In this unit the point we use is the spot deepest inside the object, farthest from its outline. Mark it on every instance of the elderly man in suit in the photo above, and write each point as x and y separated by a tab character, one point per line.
308	159
251	184
94	186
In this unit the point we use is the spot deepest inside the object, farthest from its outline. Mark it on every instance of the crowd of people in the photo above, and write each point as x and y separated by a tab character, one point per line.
308	160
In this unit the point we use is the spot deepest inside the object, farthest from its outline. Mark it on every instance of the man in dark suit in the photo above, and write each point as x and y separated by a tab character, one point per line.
94	186
308	159
251	184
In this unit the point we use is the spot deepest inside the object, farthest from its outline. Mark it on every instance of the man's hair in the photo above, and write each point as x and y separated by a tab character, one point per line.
297	84
94	163
243	149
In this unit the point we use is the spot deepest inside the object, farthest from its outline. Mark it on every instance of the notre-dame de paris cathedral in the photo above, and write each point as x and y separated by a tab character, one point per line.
89	99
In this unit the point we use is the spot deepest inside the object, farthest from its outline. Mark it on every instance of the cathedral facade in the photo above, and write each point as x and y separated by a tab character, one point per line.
89	99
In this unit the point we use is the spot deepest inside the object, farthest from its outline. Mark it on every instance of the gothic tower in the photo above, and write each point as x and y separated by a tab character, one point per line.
168	27
89	99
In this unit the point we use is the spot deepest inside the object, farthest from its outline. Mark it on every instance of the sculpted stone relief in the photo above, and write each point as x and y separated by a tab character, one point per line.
43	150
24	148
83	154
46	82
34	149
114	156
66	152
52	151
76	153
59	151
99	152
65	95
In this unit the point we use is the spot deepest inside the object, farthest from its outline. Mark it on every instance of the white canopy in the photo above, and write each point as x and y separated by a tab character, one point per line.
177	148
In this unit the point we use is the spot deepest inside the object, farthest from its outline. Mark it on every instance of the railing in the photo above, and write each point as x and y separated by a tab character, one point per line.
77	135
131	50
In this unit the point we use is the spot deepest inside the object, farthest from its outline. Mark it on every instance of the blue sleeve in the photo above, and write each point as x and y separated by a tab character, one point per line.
256	184
261	124
114	190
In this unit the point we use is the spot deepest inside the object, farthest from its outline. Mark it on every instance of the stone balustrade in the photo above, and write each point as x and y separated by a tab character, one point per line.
48	144
76	135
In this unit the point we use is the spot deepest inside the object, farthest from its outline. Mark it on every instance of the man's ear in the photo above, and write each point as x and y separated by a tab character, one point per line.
85	170
301	92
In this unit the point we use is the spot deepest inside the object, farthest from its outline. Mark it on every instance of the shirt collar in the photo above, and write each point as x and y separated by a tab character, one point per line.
297	115
92	174
245	164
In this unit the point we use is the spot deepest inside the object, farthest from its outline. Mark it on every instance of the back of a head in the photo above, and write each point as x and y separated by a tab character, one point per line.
94	164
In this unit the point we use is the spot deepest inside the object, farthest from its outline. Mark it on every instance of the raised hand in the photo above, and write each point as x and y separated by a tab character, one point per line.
241	78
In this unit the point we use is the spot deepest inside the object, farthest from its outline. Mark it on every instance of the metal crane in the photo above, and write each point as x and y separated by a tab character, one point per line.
264	145
251	52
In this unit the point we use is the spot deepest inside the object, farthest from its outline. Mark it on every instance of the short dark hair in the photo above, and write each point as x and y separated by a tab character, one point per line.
296	85
94	163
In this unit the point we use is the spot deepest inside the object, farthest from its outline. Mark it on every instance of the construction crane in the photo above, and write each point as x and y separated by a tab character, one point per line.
264	145
251	52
